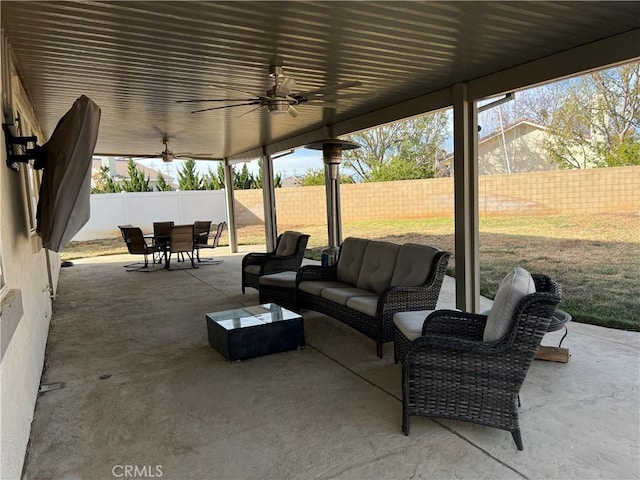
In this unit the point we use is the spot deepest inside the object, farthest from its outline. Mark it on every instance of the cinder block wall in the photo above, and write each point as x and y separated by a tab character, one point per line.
562	192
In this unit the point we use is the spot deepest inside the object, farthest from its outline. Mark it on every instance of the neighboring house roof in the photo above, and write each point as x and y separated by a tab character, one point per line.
119	170
122	168
292	181
490	135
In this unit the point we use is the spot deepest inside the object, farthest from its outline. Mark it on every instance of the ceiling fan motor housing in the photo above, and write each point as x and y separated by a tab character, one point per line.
278	106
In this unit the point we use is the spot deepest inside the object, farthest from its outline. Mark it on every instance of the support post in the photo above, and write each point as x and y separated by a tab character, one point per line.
465	165
269	202
231	217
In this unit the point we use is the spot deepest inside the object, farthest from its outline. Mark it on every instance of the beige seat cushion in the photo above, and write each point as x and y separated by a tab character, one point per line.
315	287
288	243
377	266
413	265
515	286
282	280
341	295
367	304
350	260
410	323
253	269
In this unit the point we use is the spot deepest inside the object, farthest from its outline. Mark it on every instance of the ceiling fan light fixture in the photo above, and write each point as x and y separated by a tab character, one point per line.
279	106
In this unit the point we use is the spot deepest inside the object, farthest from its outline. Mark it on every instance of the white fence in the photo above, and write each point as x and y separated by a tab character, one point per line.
141	209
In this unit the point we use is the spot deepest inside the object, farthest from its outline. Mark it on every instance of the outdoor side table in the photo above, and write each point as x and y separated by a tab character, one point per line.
254	331
559	320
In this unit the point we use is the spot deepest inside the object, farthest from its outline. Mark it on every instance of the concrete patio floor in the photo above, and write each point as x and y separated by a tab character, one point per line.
146	395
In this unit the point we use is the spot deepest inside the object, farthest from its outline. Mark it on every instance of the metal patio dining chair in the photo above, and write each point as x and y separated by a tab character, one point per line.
207	241
161	232
180	242
137	245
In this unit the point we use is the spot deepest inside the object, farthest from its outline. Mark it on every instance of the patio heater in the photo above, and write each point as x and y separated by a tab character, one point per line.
332	157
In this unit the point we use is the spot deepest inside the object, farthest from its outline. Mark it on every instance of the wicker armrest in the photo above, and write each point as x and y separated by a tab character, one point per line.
455	323
404	299
316	272
434	344
278	263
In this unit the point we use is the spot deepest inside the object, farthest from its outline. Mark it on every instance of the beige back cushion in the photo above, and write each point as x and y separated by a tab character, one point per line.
514	287
377	266
287	244
413	265
350	260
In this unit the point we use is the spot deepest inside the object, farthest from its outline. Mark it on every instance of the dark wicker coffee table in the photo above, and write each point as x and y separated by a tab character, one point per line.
254	331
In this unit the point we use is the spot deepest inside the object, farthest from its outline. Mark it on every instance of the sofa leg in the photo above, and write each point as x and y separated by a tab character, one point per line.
379	348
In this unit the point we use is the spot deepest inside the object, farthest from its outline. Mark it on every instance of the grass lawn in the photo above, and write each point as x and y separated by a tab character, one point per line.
595	258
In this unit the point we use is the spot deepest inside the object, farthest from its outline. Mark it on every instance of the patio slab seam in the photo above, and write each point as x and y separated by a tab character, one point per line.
434	420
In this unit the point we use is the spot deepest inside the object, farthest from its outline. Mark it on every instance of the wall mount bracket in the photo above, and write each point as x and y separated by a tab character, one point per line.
22	149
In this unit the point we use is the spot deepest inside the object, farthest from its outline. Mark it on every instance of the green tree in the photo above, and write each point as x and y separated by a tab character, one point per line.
393	149
189	178
315	176
136	182
104	183
161	184
401	168
244	179
215	180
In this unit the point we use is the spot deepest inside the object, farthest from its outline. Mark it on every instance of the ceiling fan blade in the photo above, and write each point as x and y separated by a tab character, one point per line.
330	88
331	97
220	100
226	106
287	85
227	87
249	111
199	156
134	155
293	112
327	104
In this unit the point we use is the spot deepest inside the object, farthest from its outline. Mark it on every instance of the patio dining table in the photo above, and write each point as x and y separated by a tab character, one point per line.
162	241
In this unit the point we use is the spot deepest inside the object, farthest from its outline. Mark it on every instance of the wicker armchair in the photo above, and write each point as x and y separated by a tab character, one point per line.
287	256
451	372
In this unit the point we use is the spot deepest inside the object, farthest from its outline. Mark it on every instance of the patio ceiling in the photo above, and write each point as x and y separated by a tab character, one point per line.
135	59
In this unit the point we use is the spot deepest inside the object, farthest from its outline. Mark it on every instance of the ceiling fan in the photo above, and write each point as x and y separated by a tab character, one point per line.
168	156
280	98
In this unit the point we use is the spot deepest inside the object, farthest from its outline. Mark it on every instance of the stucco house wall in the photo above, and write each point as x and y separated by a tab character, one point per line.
28	274
519	149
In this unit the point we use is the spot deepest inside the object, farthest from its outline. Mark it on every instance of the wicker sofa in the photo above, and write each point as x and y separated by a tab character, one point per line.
371	281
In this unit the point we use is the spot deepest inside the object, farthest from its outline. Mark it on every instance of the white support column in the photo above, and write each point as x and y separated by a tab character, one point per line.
269	202
231	216
465	165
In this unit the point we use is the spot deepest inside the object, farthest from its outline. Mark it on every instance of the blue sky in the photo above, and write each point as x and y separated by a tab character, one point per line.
294	164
